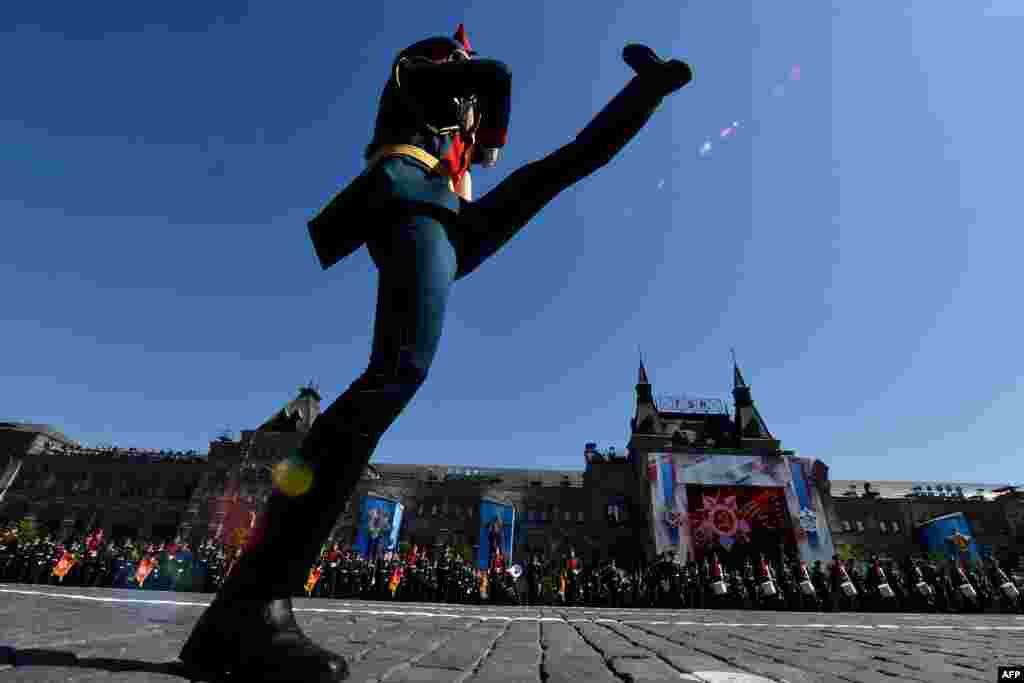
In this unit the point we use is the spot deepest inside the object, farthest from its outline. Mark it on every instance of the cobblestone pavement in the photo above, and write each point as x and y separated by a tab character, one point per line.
80	634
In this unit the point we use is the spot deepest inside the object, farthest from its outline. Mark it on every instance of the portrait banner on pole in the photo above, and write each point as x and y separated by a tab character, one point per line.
497	531
380	520
949	535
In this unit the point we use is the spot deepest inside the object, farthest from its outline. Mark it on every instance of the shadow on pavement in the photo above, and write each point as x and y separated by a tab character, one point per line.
35	657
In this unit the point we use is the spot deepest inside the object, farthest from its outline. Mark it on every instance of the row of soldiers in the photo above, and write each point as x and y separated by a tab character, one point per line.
91	560
914	584
415	576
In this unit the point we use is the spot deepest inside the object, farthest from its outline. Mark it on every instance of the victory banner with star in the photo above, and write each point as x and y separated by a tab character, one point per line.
741	504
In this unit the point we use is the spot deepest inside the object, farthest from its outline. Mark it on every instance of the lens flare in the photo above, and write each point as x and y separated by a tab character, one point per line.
292	477
778	90
729	130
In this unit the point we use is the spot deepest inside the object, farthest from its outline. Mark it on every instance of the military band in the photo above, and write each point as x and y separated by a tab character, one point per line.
441	575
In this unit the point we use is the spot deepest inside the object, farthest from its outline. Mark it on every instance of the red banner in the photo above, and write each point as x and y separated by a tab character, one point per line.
737	521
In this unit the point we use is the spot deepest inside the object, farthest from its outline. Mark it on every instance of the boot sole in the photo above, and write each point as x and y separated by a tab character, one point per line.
204	662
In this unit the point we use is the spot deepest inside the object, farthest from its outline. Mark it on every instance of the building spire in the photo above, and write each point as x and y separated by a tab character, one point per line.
646	411
737	376
749	423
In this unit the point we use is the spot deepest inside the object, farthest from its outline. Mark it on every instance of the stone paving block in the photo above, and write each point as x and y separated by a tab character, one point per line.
502	654
460	653
608	642
508	671
419	674
522	632
369	671
740	657
939	665
681	657
49	674
575	669
562	640
821	667
640	669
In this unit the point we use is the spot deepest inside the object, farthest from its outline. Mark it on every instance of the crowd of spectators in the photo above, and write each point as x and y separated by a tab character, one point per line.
134	455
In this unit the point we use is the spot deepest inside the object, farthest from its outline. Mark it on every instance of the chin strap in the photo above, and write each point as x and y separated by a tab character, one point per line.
414	105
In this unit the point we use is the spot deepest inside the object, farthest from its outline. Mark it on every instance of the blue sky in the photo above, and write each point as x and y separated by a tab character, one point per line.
856	240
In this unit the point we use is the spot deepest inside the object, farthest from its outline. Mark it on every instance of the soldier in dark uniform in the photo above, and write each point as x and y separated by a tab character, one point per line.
612	582
967	601
882	591
858	581
751	584
898	584
807	599
534	576
573	570
982	586
440	111
839	576
934	578
787	586
820	582
1007	592
920	593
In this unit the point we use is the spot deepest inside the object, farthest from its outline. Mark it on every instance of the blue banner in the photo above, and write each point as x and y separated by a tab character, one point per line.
949	535
803	491
497	528
379	522
667	478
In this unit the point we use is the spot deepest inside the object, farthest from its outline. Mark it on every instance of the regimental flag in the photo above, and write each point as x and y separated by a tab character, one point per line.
145	568
314	577
396	578
64	565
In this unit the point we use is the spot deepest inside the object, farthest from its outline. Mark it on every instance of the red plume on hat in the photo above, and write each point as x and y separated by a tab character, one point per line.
460	35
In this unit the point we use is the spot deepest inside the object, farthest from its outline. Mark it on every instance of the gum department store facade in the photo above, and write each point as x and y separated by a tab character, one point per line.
601	510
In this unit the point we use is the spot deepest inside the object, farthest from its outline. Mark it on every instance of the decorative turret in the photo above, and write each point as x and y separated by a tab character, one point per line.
750	426
645	420
297	415
307	404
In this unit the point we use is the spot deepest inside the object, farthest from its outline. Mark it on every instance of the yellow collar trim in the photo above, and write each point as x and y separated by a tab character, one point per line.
427	159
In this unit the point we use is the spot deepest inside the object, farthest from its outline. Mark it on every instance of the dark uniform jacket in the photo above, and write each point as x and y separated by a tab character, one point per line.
420	107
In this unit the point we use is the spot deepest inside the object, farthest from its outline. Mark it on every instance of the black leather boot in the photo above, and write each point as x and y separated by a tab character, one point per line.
667	77
250	630
258	640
